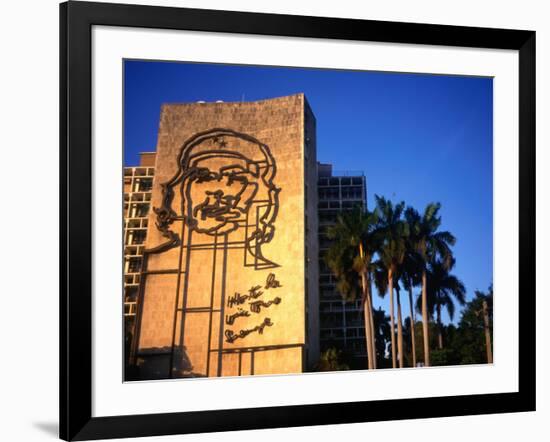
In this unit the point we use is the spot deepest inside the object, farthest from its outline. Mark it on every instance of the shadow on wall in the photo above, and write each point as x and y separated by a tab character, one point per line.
154	366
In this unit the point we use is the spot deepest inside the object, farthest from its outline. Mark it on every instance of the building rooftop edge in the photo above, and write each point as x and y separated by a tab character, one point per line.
188	103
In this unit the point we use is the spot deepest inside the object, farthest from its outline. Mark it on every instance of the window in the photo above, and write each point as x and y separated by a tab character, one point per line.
323	205
130	308
140	210
329	193
130	294
351	204
323	268
327	217
138	236
134	265
352	192
145	185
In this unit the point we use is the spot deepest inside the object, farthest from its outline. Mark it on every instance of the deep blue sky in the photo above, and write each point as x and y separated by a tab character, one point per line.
418	138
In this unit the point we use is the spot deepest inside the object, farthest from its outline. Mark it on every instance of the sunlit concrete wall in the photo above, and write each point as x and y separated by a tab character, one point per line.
228	273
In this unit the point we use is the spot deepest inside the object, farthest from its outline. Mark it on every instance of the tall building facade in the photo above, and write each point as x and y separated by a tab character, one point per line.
341	323
138	183
228	283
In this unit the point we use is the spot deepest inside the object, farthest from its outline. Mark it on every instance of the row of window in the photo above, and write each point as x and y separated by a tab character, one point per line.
336	305
132	250
142	185
337	181
341	333
139	171
356	346
338	205
136	223
336	319
137	197
131	279
337	193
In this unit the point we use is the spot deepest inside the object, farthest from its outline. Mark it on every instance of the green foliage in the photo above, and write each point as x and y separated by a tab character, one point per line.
331	360
394	231
428	240
355	240
444	356
465	343
470	338
418	336
443	289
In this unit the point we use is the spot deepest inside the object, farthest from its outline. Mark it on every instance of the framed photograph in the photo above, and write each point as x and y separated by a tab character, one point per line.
274	220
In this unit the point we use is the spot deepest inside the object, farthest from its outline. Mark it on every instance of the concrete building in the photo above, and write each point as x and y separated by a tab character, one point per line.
138	182
342	323
228	273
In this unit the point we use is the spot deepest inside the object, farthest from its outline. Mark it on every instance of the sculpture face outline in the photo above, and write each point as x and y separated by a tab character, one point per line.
223	189
226	193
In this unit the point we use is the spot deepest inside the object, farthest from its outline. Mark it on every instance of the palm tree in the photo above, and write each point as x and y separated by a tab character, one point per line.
400	350
430	243
408	284
392	253
380	277
381	283
350	259
487	310
411	274
442	288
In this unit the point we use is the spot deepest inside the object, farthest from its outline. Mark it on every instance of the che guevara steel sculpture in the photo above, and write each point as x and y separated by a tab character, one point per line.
225	183
222	190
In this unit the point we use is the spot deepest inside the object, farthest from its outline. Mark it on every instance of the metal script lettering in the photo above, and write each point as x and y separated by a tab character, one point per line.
231	336
238	299
230	319
271	282
256	306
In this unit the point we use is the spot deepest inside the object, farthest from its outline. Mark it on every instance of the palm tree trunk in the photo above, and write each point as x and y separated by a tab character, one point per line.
366	313
392	321
425	320
399	328
373	334
488	346
368	339
439	328
413	321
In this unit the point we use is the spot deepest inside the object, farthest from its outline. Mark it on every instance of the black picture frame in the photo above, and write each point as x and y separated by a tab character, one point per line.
76	21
